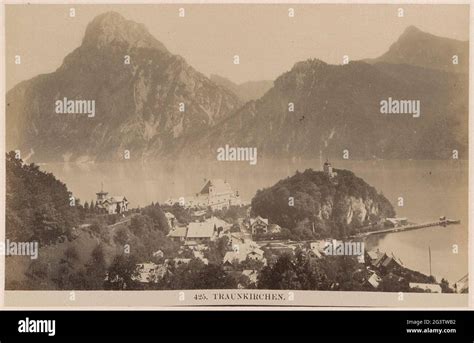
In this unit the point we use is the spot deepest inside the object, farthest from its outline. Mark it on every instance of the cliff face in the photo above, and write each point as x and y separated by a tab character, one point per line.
357	211
336	206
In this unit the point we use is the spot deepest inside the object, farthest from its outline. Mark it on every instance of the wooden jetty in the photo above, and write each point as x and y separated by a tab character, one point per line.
443	222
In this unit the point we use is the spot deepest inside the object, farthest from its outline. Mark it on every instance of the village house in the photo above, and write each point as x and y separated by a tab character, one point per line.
178	234
201	233
274	228
462	285
373	255
320	246
111	204
255	254
220	224
259	225
199	214
176	262
243	252
313	252
149	272
382	261
197	233
279	248
374	280
236	238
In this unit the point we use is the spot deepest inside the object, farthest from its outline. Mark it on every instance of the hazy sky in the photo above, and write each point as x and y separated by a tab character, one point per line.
266	39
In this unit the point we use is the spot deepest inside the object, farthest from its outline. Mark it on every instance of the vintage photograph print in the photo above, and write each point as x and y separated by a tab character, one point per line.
236	154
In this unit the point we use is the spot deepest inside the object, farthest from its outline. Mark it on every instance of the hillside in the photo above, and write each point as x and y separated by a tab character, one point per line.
76	244
337	107
337	206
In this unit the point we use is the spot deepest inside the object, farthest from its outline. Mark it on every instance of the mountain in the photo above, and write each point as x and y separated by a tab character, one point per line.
137	105
422	49
337	204
338	107
246	91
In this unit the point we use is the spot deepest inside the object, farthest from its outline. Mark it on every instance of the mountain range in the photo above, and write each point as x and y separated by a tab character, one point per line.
158	106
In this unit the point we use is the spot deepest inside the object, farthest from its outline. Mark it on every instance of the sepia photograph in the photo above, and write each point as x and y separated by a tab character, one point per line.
237	154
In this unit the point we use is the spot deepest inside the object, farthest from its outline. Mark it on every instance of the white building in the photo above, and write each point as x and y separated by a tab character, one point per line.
111	204
216	194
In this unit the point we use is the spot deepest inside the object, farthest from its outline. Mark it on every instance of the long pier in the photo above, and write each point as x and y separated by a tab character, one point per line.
407	228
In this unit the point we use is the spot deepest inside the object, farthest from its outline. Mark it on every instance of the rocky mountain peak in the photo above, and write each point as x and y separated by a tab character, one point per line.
411	30
311	63
112	28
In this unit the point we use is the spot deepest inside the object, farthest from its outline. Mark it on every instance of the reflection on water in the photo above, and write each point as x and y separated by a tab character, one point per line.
430	189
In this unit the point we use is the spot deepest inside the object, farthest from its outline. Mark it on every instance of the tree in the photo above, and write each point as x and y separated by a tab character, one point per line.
37	204
157	216
122	273
301	272
121	236
217	250
96	269
444	284
197	275
281	275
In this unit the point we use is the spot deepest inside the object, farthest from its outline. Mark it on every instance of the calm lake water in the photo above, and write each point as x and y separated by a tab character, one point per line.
430	189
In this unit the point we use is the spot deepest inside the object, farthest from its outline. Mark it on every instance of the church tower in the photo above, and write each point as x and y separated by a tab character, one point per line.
101	196
327	168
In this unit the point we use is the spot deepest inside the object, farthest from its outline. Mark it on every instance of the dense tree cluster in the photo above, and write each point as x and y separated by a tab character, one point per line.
38	206
313	205
197	275
302	273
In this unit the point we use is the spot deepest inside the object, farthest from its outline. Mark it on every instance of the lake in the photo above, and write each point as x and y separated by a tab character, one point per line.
430	189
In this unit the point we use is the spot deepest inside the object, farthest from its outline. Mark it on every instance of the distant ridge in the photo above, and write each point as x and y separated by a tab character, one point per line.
251	90
423	49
